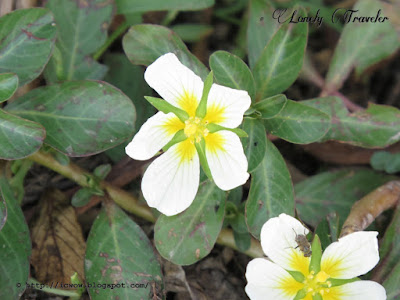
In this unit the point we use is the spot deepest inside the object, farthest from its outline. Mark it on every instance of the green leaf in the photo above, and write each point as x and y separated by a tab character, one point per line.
27	38
81	117
388	269
338	282
281	60
202	107
229	70
201	151
3	212
130	80
8	85
299	123
130	6
377	126
330	192
180	136
191	33
82	197
19	137
215	128
386	161
166	108
102	171
271	191
260	29
189	236
361	45
119	252
143	44
82	29
317	296
315	262
254	146
15	245
270	107
242	240
328	230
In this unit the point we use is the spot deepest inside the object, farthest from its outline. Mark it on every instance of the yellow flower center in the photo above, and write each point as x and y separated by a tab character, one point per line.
195	129
318	283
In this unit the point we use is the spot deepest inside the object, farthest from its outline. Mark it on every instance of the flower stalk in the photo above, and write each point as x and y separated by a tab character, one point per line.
126	200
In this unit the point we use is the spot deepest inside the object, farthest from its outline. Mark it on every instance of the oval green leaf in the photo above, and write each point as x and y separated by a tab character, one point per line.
118	252
189	236
82	29
299	123
361	44
19	137
130	80
191	33
8	85
144	43
388	270
260	29
15	245
27	37
281	60
255	144
334	192
271	191
229	70
377	126
81	117
270	107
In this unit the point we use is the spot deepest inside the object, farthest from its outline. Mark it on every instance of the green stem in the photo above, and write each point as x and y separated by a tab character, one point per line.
45	288
116	34
128	201
171	15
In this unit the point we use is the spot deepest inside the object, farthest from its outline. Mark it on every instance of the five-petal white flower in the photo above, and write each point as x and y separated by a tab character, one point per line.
349	257
170	183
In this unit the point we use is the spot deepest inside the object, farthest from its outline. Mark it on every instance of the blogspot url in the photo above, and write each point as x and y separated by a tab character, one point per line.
104	286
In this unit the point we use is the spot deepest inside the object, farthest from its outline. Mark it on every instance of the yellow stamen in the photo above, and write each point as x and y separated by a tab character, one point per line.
195	129
317	283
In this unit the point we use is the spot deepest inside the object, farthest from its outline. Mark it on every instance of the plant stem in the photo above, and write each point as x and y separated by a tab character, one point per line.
45	288
116	33
128	201
372	205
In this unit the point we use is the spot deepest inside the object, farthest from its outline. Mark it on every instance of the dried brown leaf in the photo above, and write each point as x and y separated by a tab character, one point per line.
58	245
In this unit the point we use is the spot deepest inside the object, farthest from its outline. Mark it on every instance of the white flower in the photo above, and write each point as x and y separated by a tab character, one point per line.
170	183
349	257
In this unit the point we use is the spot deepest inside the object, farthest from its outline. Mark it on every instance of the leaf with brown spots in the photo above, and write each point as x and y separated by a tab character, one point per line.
58	244
80	117
26	41
15	244
376	126
121	258
190	236
82	29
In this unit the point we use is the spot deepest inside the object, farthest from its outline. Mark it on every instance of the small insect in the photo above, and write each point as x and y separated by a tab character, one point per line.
303	244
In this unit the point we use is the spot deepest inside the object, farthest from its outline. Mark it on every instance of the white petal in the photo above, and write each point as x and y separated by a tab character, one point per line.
351	256
152	136
359	290
226	159
175	82
170	183
267	280
226	106
278	240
